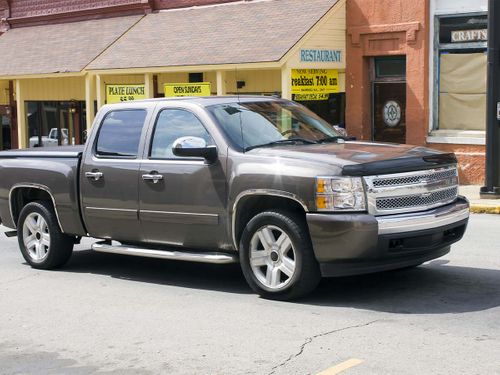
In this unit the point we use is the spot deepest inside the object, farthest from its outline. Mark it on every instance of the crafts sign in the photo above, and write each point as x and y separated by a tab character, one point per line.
124	93
187	89
314	84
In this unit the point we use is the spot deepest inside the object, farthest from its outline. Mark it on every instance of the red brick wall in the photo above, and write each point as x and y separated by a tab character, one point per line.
471	160
384	28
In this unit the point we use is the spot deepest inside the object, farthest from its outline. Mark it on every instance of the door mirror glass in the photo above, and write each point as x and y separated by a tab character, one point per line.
194	147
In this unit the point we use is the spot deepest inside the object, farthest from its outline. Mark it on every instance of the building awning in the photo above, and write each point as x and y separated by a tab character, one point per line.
234	33
60	48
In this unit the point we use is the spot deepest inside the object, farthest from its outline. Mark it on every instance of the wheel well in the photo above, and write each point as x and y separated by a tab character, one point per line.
21	196
252	205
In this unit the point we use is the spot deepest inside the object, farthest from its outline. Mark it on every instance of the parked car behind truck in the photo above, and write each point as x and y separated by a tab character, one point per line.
255	180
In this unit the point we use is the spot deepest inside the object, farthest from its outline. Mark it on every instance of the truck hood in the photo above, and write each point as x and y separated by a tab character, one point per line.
363	158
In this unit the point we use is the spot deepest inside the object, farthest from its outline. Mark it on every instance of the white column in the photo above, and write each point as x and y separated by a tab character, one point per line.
90	93
286	83
149	89
221	82
22	131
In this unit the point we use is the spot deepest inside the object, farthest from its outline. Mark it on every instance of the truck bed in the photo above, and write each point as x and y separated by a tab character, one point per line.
53	169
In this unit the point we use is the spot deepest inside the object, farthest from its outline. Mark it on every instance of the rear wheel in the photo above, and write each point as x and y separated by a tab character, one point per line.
41	241
277	257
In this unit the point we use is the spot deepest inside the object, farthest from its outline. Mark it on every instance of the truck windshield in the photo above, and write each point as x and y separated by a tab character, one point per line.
266	123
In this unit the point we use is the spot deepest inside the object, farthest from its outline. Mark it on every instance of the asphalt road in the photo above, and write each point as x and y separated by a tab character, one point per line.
110	314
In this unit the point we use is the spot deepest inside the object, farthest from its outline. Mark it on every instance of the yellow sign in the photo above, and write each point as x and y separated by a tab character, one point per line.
187	89
124	93
314	84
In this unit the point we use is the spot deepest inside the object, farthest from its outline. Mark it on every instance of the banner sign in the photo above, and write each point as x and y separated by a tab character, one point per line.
320	55
460	36
314	84
187	89
124	93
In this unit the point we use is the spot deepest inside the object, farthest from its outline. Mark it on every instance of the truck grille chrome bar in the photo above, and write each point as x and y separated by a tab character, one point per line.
412	191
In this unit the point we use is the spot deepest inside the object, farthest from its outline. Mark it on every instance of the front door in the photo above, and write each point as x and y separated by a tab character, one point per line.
109	175
185	204
389	99
389	116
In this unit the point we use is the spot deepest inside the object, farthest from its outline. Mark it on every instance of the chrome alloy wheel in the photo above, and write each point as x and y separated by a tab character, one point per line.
272	257
36	237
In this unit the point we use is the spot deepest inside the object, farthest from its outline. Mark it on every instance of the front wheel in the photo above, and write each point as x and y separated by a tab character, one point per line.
276	256
41	241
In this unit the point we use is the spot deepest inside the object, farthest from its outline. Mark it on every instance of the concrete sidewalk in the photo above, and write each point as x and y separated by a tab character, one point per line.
478	205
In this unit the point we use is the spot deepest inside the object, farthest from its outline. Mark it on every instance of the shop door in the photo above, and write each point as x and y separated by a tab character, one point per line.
5	131
389	99
389	115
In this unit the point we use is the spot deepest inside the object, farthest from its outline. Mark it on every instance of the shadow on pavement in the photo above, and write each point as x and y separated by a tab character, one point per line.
434	288
225	278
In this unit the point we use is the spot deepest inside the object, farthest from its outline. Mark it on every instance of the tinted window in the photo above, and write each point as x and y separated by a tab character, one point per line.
250	124
120	133
171	125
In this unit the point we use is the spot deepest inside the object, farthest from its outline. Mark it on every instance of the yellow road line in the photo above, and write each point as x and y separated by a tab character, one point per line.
341	367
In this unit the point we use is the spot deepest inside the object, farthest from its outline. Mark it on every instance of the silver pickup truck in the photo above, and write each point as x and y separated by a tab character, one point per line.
255	180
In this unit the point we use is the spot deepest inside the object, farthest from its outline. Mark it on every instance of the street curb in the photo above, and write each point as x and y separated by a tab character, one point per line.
484	209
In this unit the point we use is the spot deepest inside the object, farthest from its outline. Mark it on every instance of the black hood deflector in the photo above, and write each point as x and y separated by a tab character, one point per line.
400	165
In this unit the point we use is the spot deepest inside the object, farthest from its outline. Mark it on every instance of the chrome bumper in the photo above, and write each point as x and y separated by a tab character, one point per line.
418	221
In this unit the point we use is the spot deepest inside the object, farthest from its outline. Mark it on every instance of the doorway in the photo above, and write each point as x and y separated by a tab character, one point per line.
5	131
389	99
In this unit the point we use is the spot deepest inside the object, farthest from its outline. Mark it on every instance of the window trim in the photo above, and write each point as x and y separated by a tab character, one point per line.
153	132
437	48
96	140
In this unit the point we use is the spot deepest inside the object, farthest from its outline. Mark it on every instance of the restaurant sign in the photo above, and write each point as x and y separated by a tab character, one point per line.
461	36
320	55
314	84
187	89
124	93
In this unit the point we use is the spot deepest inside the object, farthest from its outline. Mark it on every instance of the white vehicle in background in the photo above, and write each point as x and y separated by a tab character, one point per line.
51	140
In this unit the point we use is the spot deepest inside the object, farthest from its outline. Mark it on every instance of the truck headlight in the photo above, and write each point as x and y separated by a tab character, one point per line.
340	194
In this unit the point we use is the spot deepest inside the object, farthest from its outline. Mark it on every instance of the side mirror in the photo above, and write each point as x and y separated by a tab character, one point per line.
194	147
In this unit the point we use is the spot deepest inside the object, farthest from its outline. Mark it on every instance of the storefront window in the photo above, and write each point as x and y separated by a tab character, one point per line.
461	66
5	136
331	110
55	123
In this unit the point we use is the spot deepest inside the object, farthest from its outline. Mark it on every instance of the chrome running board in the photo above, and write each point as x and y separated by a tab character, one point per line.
214	258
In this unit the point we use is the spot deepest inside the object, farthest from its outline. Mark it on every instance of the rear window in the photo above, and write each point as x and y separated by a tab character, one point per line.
120	133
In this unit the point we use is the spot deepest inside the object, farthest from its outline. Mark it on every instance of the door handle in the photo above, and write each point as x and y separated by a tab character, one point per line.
152	177
94	175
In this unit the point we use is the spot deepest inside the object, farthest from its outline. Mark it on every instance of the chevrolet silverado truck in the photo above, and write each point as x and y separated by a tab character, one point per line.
256	180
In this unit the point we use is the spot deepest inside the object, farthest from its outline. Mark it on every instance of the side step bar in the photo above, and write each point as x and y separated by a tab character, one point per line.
214	258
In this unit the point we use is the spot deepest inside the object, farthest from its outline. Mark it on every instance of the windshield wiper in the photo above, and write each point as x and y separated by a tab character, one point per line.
333	139
283	141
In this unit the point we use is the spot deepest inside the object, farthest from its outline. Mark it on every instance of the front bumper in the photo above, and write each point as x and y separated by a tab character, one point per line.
349	244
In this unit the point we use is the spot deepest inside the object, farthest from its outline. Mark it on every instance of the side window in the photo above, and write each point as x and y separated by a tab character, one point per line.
120	133
171	125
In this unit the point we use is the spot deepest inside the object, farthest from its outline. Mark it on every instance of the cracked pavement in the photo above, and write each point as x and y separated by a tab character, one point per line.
109	314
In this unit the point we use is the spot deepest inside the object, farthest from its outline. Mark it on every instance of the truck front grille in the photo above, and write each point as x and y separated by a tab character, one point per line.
409	192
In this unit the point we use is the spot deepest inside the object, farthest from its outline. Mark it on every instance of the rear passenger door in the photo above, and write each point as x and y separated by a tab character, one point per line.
186	205
109	174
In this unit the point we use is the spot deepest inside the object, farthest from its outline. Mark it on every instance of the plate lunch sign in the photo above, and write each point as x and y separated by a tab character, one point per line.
314	84
187	89
124	93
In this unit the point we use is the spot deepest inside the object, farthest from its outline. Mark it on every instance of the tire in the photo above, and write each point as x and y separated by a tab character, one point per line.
277	267
41	241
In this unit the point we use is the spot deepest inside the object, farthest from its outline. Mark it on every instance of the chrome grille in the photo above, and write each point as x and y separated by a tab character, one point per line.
408	180
417	200
412	191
